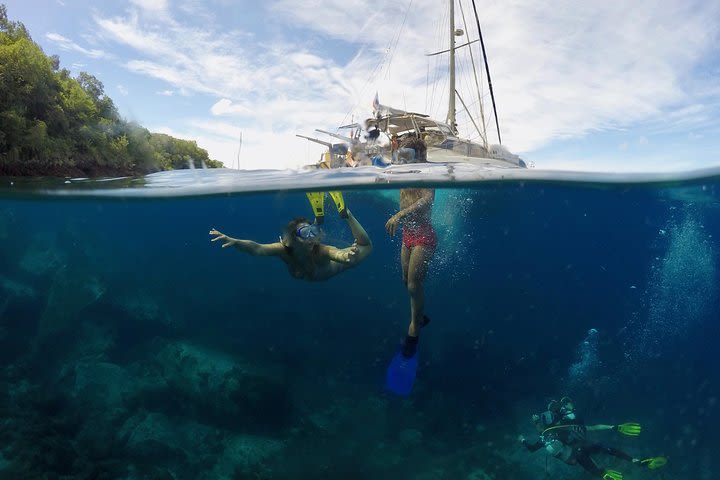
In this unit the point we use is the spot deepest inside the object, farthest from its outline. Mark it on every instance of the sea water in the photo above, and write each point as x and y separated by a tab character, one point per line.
132	347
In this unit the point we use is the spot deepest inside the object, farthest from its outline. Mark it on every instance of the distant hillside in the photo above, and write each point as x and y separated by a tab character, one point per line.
54	124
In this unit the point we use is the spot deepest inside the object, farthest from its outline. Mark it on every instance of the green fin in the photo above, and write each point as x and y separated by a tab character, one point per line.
654	462
631	429
612	475
317	201
339	203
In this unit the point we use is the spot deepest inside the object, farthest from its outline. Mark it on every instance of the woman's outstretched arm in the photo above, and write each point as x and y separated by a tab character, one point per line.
248	246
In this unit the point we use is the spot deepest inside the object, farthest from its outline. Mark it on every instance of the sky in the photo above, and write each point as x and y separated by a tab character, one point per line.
599	85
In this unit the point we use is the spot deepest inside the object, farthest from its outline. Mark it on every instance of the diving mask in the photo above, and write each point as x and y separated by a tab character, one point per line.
307	232
568	416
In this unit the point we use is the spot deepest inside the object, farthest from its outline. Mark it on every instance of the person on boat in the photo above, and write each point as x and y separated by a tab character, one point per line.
394	145
349	159
563	435
418	246
300	247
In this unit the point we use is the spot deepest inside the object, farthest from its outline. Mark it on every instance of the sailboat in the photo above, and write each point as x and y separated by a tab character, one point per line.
441	137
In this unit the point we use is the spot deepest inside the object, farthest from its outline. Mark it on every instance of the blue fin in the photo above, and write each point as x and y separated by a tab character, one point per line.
401	374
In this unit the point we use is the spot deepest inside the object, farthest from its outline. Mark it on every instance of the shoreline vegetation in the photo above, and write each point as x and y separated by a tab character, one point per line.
53	124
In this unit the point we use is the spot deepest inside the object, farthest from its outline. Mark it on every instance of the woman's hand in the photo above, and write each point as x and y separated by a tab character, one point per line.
346	255
352	253
227	241
392	224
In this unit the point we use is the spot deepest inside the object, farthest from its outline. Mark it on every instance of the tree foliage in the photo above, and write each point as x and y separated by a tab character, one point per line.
54	124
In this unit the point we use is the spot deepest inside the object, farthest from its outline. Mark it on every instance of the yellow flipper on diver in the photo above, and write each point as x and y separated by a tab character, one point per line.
317	202
654	462
612	475
339	203
631	429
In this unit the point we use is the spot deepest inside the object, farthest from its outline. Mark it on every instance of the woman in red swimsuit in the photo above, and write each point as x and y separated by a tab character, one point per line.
418	244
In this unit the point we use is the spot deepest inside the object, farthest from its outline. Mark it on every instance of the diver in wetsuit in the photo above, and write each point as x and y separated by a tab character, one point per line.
563	435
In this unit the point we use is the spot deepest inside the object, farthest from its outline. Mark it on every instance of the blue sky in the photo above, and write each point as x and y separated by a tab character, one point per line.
579	84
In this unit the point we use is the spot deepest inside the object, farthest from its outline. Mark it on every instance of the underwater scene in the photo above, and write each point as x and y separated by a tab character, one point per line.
134	347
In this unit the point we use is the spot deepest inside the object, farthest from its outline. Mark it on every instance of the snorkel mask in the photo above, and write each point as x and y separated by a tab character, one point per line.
308	232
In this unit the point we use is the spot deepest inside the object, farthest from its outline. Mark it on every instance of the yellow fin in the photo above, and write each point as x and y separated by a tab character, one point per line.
317	202
339	203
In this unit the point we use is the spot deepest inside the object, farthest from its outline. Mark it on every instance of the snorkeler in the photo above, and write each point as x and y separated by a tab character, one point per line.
301	248
563	435
418	246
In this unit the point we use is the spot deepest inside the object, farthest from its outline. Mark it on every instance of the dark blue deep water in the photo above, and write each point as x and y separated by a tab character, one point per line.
131	347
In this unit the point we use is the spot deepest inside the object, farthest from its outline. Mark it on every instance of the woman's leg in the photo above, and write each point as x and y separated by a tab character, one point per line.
405	263
419	259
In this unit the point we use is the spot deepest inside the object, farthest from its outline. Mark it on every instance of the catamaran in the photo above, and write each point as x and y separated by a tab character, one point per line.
441	137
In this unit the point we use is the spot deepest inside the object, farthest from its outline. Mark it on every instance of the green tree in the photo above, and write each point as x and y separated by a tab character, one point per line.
12	29
52	123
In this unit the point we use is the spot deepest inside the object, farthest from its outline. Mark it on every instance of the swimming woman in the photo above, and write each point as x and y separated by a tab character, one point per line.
301	248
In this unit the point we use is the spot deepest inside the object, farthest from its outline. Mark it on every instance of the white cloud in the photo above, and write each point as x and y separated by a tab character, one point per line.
166	93
562	72
307	60
260	149
279	90
364	20
622	161
202	11
185	57
218	129
68	45
122	89
226	107
151	5
600	163
163	72
558	72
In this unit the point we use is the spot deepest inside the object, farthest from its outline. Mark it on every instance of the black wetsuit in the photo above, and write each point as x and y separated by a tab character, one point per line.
576	449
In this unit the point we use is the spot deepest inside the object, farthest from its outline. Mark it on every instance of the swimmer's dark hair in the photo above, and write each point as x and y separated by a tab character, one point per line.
418	145
292	226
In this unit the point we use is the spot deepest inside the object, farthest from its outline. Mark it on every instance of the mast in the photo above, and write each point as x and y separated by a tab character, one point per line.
239	148
487	70
451	94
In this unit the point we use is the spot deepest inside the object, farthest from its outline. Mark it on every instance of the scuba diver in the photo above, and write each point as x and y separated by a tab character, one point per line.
301	248
563	435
